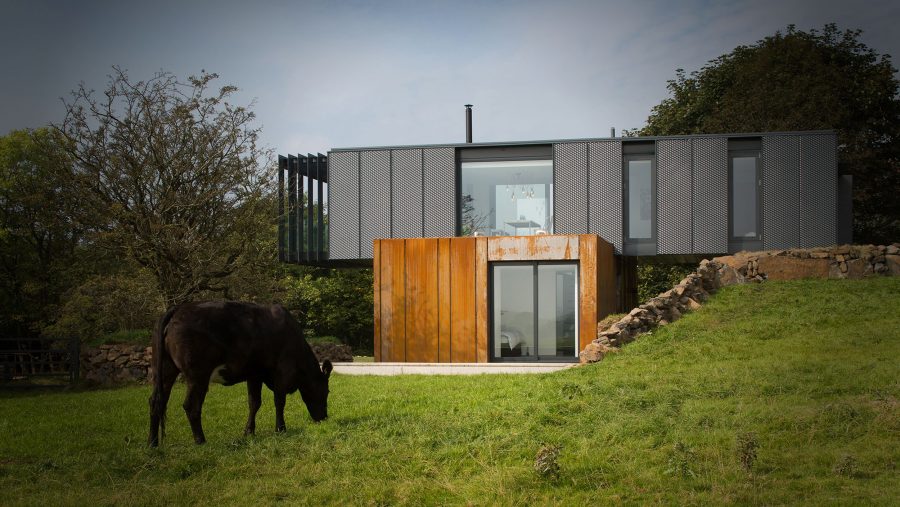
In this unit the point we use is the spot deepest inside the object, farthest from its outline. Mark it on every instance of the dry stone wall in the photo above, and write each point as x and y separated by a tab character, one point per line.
116	364
844	261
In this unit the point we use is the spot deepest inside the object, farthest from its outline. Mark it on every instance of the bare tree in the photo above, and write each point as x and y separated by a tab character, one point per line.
172	176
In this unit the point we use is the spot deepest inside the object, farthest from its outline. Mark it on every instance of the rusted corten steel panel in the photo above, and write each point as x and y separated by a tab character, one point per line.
443	289
431	294
421	301
607	297
462	300
393	300
481	300
587	290
532	248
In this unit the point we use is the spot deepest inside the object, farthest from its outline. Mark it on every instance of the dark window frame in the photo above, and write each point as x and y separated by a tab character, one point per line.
536	358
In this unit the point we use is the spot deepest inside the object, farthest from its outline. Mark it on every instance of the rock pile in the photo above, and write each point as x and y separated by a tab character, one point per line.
844	261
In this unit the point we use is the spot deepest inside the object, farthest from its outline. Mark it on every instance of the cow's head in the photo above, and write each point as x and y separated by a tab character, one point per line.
316	394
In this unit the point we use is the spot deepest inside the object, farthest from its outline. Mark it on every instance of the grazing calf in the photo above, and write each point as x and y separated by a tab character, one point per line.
231	342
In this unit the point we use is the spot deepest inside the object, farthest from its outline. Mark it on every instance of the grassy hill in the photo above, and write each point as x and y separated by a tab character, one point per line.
770	394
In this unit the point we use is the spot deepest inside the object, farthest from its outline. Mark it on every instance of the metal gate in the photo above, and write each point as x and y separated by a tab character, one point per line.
35	362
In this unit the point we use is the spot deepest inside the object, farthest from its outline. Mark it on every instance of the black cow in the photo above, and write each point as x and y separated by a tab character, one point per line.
231	342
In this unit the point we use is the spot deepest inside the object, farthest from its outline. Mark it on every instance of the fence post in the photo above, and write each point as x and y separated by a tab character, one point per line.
75	358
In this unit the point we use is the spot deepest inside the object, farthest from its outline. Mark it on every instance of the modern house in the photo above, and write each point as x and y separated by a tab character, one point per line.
513	251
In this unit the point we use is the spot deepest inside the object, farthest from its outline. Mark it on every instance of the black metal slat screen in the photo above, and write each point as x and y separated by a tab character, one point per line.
303	221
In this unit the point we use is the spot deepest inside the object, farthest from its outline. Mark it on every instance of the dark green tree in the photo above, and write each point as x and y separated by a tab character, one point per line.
38	236
797	80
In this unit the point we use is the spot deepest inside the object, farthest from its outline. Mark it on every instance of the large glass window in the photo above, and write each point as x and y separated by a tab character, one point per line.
744	195
506	198
535	311
639	197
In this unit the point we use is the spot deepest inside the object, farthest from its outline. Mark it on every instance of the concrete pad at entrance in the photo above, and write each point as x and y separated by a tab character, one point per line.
446	368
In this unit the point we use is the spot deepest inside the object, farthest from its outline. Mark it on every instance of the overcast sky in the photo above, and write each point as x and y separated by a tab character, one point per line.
340	74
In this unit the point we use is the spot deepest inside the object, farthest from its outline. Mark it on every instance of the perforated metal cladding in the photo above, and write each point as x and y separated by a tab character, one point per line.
781	191
818	190
439	192
343	205
673	189
406	173
710	205
374	199
570	198
605	188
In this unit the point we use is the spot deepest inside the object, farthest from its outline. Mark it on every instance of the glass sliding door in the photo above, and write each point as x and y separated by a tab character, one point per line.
513	311
534	311
556	310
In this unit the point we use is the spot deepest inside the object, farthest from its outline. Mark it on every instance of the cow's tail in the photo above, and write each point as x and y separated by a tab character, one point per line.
157	399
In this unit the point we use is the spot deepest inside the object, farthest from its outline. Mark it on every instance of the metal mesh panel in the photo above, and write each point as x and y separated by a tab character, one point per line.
343	205
374	199
439	192
673	186
606	191
406	172
781	191
710	183
570	188
818	190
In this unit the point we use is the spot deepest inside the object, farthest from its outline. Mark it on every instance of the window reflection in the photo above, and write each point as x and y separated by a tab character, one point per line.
743	197
640	199
506	198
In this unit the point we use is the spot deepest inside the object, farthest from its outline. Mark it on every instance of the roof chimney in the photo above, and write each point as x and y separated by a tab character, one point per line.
612	132
468	123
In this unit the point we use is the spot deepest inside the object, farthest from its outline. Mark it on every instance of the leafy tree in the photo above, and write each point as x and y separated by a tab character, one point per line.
170	174
800	80
335	302
655	278
102	304
38	237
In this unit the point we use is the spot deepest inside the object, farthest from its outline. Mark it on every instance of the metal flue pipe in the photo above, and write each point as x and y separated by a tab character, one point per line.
468	123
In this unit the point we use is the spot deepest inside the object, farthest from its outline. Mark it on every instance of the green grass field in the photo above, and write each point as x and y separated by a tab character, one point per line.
780	393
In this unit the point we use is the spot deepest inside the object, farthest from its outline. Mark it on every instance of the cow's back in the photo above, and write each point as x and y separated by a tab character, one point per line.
241	340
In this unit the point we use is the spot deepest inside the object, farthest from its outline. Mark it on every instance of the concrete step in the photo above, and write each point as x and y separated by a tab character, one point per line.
446	368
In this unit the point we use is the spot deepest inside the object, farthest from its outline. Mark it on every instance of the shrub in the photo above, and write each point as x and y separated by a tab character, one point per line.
546	462
681	460
746	450
653	279
107	304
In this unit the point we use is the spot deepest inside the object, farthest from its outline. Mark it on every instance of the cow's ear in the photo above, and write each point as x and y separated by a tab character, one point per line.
327	367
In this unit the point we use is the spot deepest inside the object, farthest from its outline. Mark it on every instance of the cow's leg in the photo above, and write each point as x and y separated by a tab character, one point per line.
193	406
280	398
254	400
160	399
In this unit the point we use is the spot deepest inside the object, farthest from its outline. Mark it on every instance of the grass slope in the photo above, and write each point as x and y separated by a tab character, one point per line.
807	371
